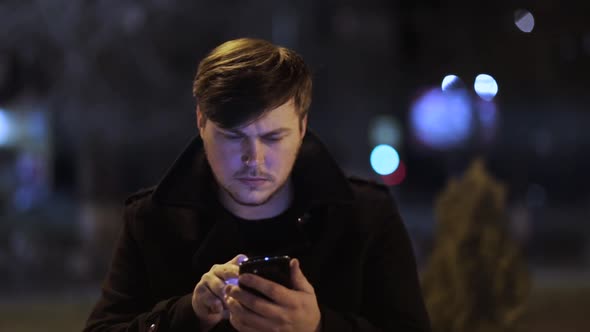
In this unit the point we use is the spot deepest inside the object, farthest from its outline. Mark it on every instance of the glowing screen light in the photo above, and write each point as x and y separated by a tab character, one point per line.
384	159
485	86
524	20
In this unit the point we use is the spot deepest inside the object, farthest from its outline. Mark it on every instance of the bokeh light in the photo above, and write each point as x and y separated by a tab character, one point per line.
396	177
487	112
485	86
442	120
384	159
385	129
451	82
4	127
524	20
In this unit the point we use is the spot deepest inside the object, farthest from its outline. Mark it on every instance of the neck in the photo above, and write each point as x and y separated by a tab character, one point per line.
277	204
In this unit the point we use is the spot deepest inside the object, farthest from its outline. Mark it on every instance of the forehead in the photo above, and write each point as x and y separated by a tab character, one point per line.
283	116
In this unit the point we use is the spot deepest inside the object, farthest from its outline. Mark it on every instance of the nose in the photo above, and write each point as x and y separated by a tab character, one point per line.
253	153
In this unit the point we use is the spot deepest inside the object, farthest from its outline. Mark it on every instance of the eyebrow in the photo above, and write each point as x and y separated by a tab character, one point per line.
273	132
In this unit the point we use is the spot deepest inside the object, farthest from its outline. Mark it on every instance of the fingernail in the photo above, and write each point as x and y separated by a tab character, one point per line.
242	258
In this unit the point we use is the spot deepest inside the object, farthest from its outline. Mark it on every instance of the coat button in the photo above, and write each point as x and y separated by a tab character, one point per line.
152	328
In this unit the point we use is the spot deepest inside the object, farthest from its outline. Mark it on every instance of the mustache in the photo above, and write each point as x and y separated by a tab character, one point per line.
253	173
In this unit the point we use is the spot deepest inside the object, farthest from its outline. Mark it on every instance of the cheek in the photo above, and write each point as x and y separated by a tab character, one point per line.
282	158
223	160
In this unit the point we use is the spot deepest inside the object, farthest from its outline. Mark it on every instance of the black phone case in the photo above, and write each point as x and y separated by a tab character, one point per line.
274	268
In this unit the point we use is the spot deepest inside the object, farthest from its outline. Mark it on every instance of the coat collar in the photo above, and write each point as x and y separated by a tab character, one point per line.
316	176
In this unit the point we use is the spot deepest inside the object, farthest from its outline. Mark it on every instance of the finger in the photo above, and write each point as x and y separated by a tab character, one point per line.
216	307
207	299
252	302
238	259
275	292
215	285
240	325
225	271
298	279
246	318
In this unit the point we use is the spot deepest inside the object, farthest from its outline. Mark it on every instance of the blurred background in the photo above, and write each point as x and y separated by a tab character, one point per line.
95	103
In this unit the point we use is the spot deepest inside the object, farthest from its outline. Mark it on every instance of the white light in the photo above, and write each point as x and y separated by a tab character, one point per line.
524	20
384	159
4	127
485	86
450	82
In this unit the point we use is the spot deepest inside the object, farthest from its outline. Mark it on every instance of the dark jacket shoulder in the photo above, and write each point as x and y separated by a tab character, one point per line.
376	203
366	189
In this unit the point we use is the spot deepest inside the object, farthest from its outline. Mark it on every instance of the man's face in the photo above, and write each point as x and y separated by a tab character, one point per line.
252	163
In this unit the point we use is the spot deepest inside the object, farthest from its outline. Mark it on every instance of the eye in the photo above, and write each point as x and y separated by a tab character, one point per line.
274	138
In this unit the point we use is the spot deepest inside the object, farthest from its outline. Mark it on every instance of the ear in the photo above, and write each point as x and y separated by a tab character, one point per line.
200	121
304	125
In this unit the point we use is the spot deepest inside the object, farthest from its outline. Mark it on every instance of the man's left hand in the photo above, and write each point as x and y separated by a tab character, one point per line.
290	309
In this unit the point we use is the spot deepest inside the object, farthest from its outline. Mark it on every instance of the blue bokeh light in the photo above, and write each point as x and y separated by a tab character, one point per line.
524	20
384	159
450	82
442	120
4	127
485	86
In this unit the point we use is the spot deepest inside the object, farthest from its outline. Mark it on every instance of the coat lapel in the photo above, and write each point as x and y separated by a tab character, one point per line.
221	244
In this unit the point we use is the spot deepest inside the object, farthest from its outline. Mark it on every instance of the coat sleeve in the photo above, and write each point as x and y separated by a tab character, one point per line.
392	298
125	304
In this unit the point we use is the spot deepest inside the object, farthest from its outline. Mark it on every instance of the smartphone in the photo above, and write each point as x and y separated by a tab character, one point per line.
273	268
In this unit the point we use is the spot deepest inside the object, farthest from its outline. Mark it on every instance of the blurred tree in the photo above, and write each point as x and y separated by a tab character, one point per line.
476	280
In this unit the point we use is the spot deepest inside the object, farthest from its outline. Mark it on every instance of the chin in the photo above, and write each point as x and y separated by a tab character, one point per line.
252	200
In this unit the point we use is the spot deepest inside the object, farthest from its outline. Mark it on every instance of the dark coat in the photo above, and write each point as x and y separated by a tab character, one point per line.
353	248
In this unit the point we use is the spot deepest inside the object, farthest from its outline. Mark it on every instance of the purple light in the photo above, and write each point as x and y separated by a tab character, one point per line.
442	120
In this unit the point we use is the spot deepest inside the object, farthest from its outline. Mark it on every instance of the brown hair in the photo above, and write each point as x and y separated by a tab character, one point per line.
242	79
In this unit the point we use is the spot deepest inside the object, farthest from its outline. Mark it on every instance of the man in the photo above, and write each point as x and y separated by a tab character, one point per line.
256	182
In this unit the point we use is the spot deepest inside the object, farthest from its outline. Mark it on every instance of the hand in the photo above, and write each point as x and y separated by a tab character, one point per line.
290	309
208	296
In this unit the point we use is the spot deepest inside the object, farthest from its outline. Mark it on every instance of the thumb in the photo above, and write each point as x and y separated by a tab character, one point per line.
238	259
299	280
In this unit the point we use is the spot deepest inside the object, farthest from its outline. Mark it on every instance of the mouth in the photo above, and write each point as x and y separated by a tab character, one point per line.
253	182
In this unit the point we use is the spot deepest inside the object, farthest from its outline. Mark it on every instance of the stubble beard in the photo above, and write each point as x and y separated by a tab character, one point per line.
233	195
236	199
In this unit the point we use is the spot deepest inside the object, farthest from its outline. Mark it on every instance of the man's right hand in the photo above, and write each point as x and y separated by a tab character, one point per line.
208	296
